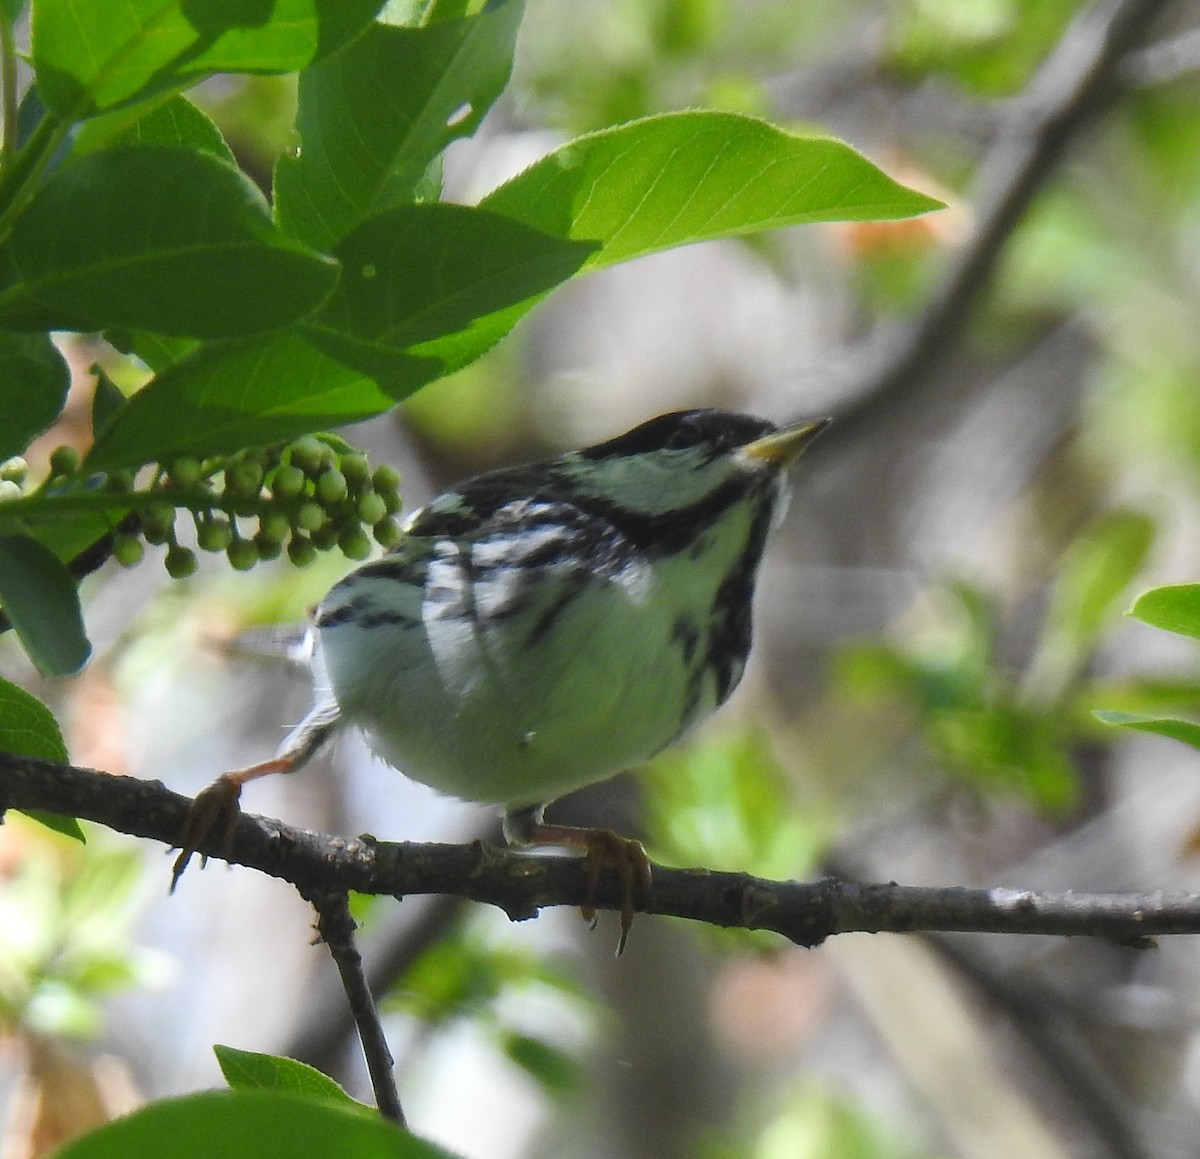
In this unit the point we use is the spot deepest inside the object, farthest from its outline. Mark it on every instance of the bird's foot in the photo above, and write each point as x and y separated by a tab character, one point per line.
215	811
603	849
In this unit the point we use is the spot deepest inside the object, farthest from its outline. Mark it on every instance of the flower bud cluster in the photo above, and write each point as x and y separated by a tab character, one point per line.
303	497
13	477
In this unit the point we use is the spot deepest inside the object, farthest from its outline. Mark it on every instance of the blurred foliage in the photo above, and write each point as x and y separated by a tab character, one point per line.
991	47
506	993
815	1122
997	727
723	801
1175	608
616	61
66	915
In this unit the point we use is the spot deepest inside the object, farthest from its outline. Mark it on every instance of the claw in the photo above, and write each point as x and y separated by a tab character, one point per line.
627	858
214	812
604	849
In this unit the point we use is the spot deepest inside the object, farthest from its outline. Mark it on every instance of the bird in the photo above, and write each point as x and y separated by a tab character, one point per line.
539	628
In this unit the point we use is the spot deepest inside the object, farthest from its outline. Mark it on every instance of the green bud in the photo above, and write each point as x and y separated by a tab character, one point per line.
266	546
120	481
371	507
181	562
14	470
243	478
331	486
288	481
308	454
387	533
9	490
157	522
274	525
213	534
325	537
357	469
310	516
64	461
355	544
386	478
301	551
242	554
127	550
184	472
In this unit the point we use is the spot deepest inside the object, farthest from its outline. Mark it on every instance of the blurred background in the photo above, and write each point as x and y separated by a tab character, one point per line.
1017	383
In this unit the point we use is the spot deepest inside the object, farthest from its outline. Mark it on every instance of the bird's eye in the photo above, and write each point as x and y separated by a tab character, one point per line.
686	435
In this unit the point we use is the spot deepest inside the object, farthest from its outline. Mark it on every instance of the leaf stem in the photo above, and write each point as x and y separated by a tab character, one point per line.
18	181
193	498
8	96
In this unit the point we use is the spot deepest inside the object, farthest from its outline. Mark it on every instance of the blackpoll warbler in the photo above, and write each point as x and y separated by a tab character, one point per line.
539	628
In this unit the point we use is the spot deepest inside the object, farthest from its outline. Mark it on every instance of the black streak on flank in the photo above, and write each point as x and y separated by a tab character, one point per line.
730	630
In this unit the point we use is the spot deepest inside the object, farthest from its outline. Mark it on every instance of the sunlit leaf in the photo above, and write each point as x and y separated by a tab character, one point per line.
373	117
163	239
93	55
246	1070
1175	608
1173	727
438	278
678	178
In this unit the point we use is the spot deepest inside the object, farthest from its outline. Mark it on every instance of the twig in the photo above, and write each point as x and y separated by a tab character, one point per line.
319	1040
1079	81
336	928
804	912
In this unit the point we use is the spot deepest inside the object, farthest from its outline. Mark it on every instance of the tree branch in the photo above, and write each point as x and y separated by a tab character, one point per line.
520	884
1080	79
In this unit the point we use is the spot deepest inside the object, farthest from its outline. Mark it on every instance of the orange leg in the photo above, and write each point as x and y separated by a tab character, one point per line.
215	811
602	849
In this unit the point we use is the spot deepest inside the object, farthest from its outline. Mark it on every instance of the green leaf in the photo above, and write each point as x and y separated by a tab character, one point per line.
157	351
1175	608
1095	573
28	729
246	1070
1173	727
227	395
173	122
440	275
554	1070
374	117
35	379
679	178
40	599
162	239
93	55
106	400
250	1125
